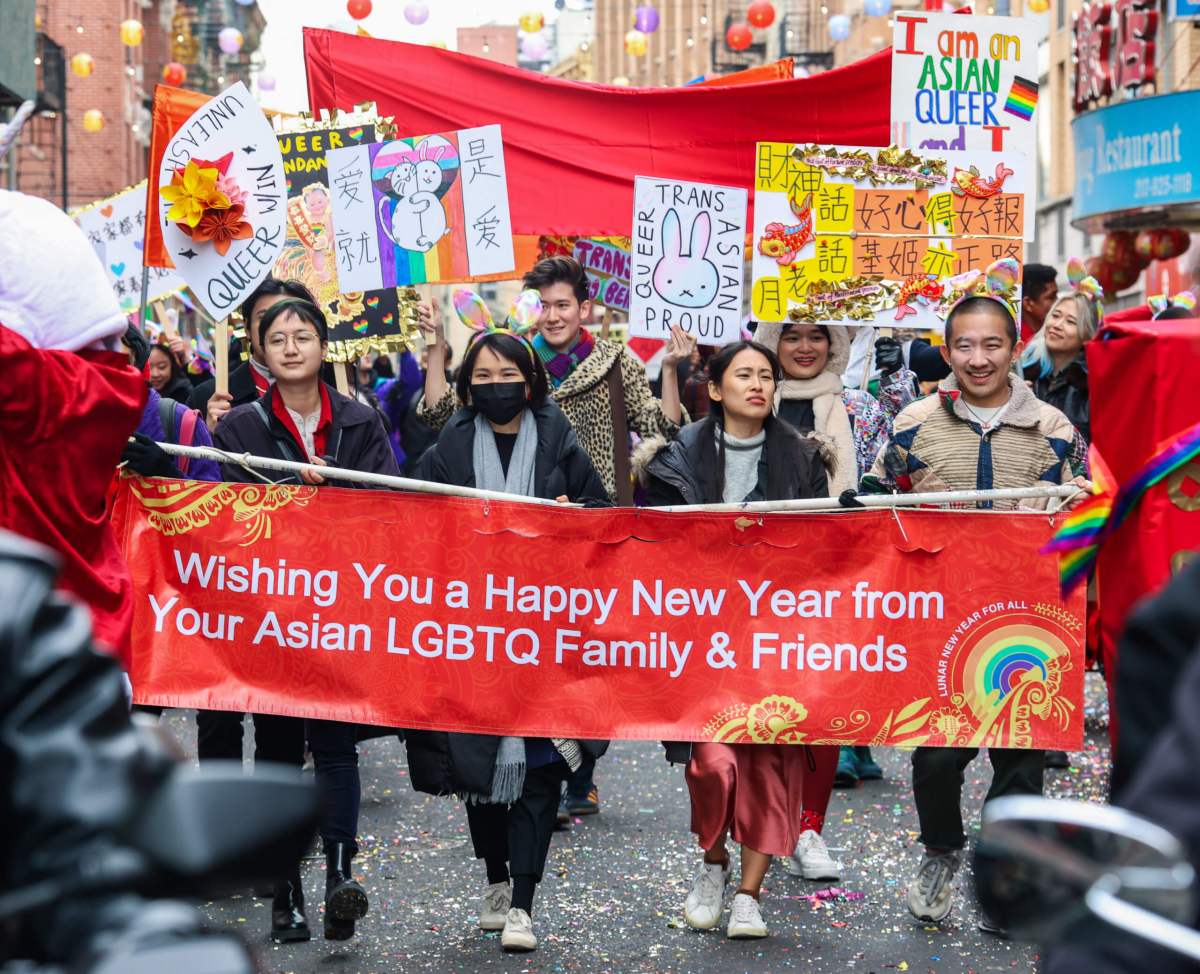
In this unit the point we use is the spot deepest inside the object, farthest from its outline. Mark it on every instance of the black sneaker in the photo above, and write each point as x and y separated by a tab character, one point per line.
990	926
1058	760
563	822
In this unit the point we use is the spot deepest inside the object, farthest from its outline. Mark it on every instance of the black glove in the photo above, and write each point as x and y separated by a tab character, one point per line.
146	457
889	355
138	345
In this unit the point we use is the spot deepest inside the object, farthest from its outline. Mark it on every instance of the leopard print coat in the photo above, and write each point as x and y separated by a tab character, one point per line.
585	400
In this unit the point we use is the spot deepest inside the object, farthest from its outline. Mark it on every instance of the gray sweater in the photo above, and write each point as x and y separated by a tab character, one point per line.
741	466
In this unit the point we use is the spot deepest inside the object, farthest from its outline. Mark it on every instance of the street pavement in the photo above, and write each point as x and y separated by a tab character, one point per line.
613	894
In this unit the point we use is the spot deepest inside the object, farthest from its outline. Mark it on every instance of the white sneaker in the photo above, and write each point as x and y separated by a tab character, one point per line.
702	908
518	932
812	859
497	898
931	894
745	920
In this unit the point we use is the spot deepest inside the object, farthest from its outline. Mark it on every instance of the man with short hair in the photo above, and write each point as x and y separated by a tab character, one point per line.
252	378
1038	291
983	429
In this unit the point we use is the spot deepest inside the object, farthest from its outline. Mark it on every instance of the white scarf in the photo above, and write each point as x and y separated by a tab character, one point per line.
831	423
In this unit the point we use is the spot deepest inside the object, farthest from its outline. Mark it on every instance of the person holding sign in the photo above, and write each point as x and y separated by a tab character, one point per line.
740	452
510	437
301	418
982	429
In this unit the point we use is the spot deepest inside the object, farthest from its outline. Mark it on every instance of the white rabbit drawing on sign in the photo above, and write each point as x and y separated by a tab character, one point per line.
688	280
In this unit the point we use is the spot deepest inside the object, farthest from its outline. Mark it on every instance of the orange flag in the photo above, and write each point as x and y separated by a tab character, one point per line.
172	108
780	70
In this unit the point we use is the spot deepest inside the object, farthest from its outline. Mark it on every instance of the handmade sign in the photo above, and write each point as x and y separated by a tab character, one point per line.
422	209
874	236
358	321
688	249
115	227
962	82
222	200
506	618
606	261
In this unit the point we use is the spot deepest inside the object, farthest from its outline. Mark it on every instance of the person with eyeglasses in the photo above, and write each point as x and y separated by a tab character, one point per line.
303	419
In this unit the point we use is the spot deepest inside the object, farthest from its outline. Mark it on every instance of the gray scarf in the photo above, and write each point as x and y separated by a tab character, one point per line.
508	778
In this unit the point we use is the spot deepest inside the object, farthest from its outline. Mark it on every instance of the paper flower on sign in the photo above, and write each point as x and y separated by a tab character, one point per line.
192	192
228	185
222	227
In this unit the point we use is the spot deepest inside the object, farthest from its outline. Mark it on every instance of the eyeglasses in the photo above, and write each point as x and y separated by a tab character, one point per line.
302	339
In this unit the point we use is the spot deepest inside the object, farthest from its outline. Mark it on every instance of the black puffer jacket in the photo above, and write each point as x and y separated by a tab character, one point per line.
440	763
1066	391
75	773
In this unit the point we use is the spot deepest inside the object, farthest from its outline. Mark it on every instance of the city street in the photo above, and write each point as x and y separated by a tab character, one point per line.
613	894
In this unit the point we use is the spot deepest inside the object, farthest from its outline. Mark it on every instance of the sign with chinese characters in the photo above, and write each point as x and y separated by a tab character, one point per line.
872	236
1113	48
308	252
688	250
963	82
421	209
115	227
223	266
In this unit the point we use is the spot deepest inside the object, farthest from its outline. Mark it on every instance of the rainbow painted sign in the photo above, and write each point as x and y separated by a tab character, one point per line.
423	209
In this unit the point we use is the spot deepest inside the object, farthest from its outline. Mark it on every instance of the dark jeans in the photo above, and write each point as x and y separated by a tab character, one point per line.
579	783
520	832
334	747
938	781
278	739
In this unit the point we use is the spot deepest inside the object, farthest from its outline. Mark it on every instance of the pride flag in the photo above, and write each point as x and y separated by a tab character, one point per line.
1022	98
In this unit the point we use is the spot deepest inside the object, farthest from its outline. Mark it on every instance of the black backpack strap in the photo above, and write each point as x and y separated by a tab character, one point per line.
166	417
285	445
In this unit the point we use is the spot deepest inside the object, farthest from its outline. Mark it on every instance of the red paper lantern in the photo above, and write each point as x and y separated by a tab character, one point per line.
1173	242
1118	244
1143	245
1124	276
1101	270
738	37
761	13
174	73
358	9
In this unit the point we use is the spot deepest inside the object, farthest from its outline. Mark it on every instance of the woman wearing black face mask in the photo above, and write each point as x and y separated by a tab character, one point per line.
509	437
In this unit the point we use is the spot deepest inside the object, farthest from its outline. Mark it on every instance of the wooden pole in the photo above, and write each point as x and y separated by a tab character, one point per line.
339	377
221	354
606	322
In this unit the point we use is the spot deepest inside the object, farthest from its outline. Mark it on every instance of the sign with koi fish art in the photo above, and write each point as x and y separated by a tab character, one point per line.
875	236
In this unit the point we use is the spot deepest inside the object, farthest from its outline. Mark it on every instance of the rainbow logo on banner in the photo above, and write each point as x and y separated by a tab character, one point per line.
1022	98
1010	661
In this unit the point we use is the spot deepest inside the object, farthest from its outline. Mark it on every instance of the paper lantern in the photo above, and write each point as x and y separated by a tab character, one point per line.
83	65
534	47
230	40
839	27
416	13
1039	6
1123	276
174	73
1170	243
635	43
132	32
877	8
1100	269
358	9
93	120
1117	246
266	82
738	37
531	23
645	19
761	13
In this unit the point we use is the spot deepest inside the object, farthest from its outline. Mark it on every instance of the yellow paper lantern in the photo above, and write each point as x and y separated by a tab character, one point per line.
83	65
635	43
1039	6
131	32
93	120
531	23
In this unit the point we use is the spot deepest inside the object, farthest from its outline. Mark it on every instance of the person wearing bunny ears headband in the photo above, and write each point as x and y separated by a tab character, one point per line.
511	437
1167	307
1055	362
982	429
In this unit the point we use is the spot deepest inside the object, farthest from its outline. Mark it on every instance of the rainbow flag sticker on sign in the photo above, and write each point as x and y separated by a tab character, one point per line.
1022	98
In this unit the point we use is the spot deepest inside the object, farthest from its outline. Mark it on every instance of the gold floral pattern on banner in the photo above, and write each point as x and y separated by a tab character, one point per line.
852	299
891	165
176	507
773	720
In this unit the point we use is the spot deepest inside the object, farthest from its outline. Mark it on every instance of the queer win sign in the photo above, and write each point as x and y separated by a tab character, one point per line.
509	618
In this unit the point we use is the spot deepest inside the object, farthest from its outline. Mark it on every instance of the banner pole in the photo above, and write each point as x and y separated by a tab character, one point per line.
221	355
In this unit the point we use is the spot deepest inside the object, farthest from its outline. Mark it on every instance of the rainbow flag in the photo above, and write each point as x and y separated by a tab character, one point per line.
1086	528
1022	98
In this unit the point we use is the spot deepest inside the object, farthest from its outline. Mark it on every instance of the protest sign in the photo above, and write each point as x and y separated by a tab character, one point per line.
115	227
605	259
509	618
687	247
873	236
358	320
962	82
233	247
423	209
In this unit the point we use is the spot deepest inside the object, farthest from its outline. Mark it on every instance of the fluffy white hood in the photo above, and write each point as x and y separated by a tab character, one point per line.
53	289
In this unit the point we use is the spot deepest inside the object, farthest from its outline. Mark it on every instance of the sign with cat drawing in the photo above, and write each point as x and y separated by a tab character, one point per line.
421	209
688	250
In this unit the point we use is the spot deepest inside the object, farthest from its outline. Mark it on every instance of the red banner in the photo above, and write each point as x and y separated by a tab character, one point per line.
920	627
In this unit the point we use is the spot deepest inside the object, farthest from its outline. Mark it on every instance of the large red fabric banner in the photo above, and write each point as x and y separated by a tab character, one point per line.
920	627
572	148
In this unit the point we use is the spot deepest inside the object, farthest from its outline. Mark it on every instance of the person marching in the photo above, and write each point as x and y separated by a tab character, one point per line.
983	429
301	418
740	452
510	436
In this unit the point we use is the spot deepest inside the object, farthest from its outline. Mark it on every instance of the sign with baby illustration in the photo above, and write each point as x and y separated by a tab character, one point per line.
688	250
422	209
878	236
